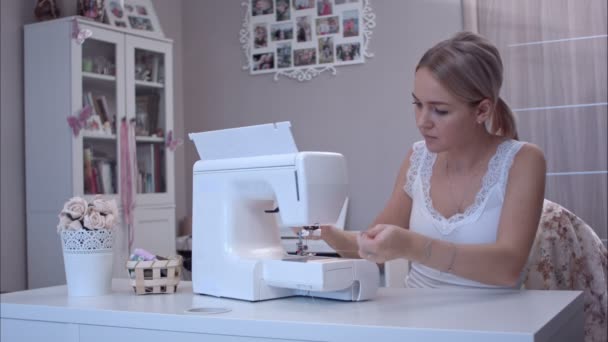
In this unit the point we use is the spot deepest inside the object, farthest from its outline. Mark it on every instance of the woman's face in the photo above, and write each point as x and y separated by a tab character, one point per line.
443	120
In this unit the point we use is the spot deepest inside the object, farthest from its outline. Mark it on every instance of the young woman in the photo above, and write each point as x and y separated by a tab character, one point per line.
468	198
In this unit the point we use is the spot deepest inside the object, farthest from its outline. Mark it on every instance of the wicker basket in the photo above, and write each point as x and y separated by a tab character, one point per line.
155	276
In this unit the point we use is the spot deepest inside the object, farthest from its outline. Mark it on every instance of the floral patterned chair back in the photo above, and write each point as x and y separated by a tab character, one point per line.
568	255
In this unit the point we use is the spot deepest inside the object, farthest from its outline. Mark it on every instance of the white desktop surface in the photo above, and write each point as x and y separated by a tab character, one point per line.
397	314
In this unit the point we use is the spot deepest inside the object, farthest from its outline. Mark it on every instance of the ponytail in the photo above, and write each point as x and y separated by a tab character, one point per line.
503	121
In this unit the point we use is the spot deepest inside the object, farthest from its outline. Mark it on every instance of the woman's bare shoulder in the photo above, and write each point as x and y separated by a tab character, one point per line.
530	154
529	161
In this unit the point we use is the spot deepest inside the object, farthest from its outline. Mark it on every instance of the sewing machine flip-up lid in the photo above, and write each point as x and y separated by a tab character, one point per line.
252	146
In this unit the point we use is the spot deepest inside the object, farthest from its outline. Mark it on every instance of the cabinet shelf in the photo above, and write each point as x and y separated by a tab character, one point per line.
144	139
147	84
98	135
99	77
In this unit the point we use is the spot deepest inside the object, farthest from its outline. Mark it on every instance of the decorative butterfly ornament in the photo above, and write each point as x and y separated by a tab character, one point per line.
172	144
79	121
80	34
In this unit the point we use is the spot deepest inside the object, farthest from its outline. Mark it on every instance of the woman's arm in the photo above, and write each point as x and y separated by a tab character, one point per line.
396	211
502	262
499	263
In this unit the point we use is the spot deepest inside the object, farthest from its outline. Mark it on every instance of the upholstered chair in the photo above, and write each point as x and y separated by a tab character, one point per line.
568	255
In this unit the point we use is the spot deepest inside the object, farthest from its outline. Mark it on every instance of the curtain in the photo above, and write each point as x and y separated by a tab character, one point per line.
554	54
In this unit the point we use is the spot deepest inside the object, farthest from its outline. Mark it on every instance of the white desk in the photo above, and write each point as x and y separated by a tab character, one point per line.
395	315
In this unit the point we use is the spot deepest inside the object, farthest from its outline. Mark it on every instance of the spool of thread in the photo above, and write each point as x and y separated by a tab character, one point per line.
147	256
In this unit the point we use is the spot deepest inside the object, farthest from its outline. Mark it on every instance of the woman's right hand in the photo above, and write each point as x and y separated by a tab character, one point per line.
383	242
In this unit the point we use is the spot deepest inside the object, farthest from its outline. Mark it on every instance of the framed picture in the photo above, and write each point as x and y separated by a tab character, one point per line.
136	15
302	38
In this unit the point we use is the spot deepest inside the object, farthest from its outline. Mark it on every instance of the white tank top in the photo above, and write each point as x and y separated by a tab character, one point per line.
477	225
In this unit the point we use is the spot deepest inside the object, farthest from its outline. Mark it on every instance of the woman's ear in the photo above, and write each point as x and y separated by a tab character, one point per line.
483	111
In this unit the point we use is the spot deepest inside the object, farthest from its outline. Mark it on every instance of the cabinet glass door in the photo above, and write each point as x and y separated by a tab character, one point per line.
149	121
150	106
101	67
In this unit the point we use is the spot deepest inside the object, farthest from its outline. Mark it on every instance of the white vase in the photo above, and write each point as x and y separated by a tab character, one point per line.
87	257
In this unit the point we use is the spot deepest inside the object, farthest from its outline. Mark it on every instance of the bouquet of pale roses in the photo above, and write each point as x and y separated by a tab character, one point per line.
78	214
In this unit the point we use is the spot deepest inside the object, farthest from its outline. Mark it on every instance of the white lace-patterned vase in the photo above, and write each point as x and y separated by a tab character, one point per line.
87	257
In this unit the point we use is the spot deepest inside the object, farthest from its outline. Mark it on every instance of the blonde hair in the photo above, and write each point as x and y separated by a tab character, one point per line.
470	67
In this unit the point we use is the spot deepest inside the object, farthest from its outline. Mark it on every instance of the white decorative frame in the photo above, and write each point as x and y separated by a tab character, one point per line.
136	15
309	39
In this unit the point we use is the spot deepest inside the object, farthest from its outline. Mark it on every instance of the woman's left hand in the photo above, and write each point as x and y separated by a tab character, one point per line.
383	242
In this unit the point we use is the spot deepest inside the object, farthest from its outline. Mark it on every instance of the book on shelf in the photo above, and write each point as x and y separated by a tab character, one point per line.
106	177
94	181
161	73
151	168
158	162
87	174
99	173
155	68
103	108
90	101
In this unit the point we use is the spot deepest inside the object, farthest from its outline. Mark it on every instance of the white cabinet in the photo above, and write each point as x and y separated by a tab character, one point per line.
153	223
23	330
120	76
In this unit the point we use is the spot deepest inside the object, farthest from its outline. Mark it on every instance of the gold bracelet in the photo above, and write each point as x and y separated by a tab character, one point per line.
428	249
451	266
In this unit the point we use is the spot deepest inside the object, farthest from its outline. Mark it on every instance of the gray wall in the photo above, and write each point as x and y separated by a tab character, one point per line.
13	15
364	112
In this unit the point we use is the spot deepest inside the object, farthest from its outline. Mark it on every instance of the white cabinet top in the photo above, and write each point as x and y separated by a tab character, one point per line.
396	314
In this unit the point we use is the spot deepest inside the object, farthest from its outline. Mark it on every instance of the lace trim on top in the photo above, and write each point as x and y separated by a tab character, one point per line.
412	172
514	147
498	168
87	241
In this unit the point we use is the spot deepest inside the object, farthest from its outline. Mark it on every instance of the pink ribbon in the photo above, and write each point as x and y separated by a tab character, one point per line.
128	170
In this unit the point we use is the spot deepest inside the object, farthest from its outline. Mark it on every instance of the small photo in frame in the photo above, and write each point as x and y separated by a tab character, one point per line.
326	50
304	29
281	31
342	2
283	11
116	10
327	25
303	57
303	4
140	23
324	7
260	39
284	55
350	23
261	7
135	15
348	52
263	61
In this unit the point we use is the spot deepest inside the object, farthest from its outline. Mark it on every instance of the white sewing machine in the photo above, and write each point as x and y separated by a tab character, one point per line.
249	182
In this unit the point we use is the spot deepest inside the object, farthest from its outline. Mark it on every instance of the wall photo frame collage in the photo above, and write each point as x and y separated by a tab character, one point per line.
302	38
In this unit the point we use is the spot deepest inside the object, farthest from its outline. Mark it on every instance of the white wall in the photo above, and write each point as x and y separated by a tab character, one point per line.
364	112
